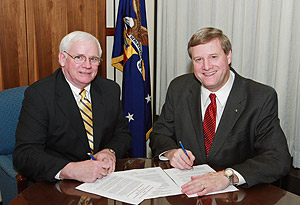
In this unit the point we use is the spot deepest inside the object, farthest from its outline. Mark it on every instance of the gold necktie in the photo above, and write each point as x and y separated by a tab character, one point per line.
87	116
85	200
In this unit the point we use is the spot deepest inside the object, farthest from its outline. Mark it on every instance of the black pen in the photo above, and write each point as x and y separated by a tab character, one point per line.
184	151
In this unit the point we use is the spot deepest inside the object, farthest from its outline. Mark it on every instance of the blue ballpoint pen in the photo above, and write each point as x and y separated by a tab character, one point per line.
92	157
184	150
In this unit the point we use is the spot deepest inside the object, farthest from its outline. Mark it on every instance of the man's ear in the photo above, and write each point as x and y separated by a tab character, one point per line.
229	57
62	59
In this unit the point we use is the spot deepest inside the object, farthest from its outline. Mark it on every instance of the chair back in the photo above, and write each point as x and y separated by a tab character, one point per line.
10	106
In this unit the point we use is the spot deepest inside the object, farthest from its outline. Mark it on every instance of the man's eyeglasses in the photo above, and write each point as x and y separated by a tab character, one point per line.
81	59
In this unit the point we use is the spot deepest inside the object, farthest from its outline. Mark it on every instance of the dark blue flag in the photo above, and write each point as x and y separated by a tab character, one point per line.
131	56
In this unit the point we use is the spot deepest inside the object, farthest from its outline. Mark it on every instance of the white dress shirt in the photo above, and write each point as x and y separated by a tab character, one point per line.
76	92
221	98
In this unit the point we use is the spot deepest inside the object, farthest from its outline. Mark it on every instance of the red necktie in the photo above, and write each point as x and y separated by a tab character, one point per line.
209	123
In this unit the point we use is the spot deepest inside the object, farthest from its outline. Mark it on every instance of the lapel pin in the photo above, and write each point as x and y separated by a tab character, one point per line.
236	110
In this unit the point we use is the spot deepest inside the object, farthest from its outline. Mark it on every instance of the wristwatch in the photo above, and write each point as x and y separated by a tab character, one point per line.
230	175
112	151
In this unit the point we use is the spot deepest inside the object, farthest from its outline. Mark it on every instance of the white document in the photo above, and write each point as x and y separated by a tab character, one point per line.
181	177
156	174
133	186
121	187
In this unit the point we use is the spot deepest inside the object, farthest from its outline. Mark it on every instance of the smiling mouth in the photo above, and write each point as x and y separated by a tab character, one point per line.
208	74
84	72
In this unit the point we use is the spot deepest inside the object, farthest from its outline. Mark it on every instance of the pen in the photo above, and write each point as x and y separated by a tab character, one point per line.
92	157
184	151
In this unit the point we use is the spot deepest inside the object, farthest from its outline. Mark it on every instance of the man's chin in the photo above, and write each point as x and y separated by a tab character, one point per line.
86	78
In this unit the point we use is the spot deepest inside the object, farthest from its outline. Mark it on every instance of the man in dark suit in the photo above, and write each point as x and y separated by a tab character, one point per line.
247	138
51	137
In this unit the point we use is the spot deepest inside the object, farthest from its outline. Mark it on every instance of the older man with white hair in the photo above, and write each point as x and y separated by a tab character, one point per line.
71	114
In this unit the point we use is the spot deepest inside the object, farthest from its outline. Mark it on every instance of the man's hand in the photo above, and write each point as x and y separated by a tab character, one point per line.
107	156
210	182
178	158
90	170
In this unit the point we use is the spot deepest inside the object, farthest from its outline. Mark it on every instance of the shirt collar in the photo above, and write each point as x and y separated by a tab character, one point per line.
222	94
76	90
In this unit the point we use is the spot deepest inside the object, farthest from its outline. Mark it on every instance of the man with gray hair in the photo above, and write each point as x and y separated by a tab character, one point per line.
71	114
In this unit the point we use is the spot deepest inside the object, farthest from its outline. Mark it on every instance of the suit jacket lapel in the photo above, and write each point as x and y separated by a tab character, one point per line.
233	109
194	102
68	105
98	107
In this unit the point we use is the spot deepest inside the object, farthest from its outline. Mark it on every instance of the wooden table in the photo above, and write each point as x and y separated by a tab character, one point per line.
64	192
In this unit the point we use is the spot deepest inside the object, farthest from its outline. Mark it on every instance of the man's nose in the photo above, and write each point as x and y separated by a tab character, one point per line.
87	63
207	65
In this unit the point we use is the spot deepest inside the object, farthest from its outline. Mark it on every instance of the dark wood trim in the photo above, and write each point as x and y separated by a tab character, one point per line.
110	31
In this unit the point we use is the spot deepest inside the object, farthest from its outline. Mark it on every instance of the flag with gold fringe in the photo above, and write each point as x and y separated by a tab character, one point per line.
131	56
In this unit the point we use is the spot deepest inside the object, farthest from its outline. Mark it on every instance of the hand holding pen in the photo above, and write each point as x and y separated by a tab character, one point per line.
185	151
107	170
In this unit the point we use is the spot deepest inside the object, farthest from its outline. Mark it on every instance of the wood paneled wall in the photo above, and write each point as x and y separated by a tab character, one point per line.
31	30
13	44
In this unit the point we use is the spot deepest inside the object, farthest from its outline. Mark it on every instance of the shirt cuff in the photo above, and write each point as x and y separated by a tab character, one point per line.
57	176
241	178
162	157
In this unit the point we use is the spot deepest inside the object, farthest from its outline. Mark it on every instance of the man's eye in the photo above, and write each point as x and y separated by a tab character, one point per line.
79	58
198	59
94	59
